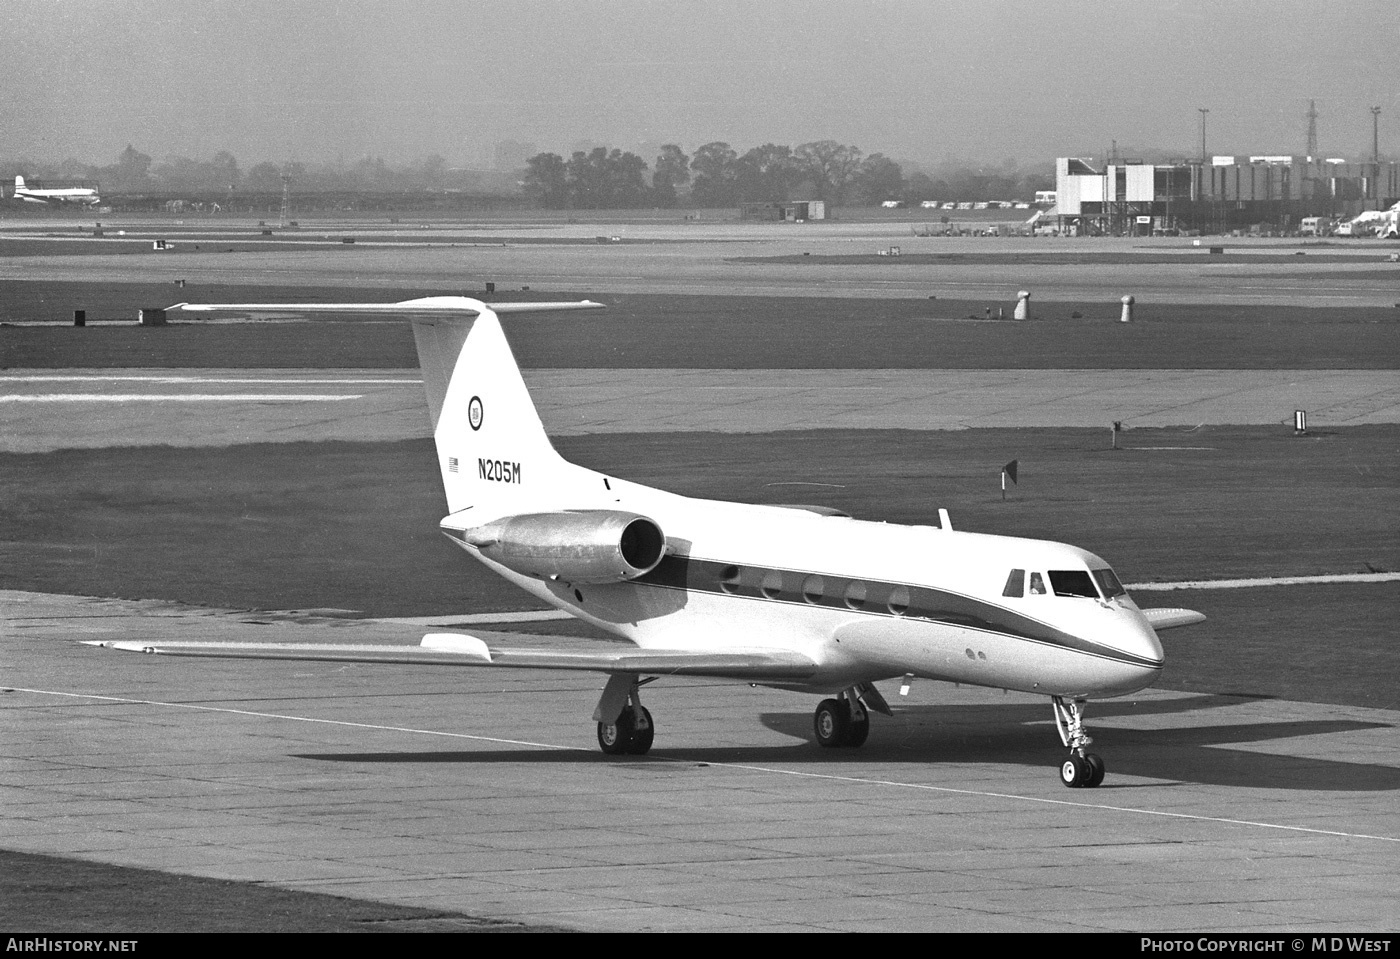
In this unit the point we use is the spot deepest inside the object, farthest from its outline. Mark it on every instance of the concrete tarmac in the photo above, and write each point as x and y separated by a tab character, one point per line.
60	409
736	259
482	791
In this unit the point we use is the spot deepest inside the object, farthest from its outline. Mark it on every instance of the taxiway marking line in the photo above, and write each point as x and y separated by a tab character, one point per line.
197	379
858	780
1267	581
177	397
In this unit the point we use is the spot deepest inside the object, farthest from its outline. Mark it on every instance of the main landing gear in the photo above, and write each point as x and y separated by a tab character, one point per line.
624	724
1081	769
845	720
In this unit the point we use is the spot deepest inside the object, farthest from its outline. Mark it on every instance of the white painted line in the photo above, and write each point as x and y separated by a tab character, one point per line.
1268	581
196	379
830	777
176	397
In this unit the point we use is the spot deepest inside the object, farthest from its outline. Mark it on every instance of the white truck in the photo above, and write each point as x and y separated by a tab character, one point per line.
1316	226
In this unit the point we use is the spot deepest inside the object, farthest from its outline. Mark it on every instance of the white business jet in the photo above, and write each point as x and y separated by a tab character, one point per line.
70	194
793	597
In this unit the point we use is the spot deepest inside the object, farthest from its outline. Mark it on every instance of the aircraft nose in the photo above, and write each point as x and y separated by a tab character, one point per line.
1140	639
1140	660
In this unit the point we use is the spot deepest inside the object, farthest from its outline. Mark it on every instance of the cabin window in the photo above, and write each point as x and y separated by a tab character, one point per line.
1037	584
1108	583
855	594
1015	583
899	600
1073	582
729	579
772	584
813	587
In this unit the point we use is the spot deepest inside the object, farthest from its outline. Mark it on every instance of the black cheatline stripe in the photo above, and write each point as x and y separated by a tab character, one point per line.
867	596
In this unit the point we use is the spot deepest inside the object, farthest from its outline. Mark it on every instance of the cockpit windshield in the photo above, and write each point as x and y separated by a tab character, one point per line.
1073	582
1108	583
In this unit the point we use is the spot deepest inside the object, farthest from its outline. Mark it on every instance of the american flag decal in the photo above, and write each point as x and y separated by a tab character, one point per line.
452	464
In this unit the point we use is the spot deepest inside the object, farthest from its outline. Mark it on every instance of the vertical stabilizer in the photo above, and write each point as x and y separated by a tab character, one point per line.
492	449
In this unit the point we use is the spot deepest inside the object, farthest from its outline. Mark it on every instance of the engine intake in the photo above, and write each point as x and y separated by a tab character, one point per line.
578	546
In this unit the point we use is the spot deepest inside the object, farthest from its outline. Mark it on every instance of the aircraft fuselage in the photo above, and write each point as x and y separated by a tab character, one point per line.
866	601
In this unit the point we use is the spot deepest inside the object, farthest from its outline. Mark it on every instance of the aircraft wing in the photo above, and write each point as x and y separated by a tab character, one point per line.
457	649
1169	618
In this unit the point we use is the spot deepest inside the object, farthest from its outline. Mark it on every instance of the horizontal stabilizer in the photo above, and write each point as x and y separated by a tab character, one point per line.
423	306
457	649
1168	618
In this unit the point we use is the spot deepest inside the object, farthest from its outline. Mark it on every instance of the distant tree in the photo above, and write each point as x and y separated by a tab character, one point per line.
831	165
263	178
769	172
715	175
223	172
132	170
1033	182
176	173
429	172
627	180
919	187
877	179
546	179
672	170
603	179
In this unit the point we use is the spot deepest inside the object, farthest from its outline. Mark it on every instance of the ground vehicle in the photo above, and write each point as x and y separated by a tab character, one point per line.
1316	226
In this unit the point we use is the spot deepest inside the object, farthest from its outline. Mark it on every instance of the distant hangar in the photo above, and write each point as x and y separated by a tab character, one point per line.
1216	195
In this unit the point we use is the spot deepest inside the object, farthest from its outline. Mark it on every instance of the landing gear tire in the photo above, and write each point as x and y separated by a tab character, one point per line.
1082	771
1075	772
616	738
1096	770
643	732
832	723
858	732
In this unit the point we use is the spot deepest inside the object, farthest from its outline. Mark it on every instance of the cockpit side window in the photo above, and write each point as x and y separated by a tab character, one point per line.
1108	583
1037	584
1015	583
1073	582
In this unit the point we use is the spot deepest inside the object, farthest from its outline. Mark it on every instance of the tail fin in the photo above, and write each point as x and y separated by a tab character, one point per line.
492	449
19	183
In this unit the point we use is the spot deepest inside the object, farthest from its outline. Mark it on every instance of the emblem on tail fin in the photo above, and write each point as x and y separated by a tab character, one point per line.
474	413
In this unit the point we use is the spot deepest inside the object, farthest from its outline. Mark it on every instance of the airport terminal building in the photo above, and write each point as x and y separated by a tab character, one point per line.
1218	195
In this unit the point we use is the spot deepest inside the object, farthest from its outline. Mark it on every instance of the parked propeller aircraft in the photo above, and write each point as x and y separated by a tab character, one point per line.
72	194
791	597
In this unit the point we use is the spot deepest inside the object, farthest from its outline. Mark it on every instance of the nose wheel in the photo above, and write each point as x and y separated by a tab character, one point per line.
1082	769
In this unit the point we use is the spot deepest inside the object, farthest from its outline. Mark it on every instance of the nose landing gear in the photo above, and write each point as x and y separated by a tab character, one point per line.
1082	768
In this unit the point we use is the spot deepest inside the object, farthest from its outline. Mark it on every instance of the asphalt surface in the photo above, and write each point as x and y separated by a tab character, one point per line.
62	409
483	792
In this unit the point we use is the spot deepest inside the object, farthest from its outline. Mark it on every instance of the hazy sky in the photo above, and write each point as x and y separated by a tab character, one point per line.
915	79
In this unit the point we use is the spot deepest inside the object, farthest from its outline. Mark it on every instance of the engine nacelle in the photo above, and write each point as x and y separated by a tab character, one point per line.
582	546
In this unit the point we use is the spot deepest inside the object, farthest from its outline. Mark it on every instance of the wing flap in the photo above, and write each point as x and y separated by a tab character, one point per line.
1173	617
455	649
